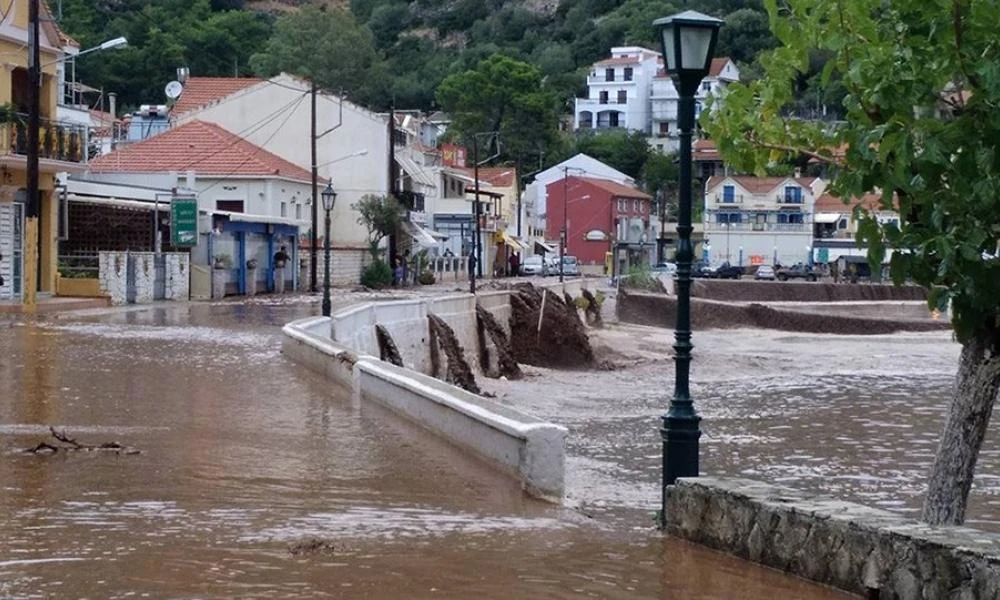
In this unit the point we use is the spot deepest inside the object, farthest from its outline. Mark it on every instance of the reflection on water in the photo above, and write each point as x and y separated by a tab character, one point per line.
245	454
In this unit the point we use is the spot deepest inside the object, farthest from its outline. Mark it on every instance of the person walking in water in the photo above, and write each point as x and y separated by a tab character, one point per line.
281	258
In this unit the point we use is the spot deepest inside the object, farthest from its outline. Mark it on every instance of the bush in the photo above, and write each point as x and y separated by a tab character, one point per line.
426	278
641	278
376	275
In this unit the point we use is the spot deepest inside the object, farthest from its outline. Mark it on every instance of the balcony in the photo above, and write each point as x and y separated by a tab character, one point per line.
59	142
754	226
728	200
789	200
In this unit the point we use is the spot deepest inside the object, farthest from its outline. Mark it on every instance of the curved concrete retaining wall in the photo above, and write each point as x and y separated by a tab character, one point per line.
846	545
659	310
344	348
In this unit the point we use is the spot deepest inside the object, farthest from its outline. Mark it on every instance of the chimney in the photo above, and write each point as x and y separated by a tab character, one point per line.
113	105
182	74
798	172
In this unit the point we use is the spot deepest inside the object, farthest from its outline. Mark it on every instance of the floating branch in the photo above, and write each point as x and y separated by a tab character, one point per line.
71	445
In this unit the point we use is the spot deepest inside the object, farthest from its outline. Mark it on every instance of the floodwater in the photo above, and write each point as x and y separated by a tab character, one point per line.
247	458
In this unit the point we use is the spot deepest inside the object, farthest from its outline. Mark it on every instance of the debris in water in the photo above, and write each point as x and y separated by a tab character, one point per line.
71	445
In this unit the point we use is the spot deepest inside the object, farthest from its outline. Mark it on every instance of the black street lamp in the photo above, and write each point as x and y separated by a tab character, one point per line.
329	199
689	40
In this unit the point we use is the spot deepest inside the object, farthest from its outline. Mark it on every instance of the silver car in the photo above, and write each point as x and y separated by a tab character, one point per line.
764	272
534	265
570	266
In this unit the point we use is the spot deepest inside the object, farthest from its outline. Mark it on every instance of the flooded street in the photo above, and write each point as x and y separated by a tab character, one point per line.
256	479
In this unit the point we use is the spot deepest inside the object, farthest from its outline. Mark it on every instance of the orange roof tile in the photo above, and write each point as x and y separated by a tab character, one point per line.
704	150
619	60
871	201
717	65
615	189
496	176
205	148
201	91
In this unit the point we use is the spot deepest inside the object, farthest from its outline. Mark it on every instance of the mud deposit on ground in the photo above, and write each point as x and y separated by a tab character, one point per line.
457	370
562	340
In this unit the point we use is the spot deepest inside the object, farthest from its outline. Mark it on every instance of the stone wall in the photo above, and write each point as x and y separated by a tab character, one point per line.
112	273
849	546
345	266
113	276
178	281
145	273
659	310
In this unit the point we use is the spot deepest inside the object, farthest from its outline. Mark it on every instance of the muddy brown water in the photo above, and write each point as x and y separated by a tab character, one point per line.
245	454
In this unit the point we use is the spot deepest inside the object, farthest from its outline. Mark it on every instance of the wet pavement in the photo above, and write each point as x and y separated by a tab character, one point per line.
246	457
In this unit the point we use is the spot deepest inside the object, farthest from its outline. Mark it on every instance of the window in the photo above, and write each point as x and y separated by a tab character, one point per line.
790	217
298	211
235	206
609	74
842	224
603	98
621	205
724	217
635	205
628	73
729	194
664	129
793	195
284	209
613	120
622	97
706	86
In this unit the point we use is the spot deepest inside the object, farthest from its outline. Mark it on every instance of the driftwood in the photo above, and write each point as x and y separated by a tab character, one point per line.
71	445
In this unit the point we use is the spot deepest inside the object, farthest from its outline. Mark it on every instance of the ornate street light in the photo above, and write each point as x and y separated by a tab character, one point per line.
329	199
689	40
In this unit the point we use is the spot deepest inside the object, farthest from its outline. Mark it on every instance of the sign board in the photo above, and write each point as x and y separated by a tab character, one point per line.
183	221
452	155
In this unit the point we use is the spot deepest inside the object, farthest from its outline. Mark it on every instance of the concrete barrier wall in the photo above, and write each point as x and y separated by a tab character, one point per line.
518	444
659	310
845	545
799	291
497	303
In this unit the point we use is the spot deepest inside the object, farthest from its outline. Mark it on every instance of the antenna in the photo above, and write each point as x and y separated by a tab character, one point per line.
173	89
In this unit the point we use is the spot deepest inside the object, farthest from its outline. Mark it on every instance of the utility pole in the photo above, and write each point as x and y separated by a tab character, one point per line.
313	247
563	232
33	204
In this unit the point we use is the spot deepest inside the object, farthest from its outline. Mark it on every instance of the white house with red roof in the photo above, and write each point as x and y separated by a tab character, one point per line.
631	91
274	114
760	220
251	201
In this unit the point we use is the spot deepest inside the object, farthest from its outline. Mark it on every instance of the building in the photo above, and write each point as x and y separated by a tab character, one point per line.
630	91
601	219
759	220
835	227
534	202
352	147
25	242
251	201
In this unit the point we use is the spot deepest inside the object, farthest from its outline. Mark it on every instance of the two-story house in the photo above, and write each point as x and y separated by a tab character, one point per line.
835	227
29	247
760	220
604	223
664	99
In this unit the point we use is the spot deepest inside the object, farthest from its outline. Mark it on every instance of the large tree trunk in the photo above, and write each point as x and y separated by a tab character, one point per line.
976	388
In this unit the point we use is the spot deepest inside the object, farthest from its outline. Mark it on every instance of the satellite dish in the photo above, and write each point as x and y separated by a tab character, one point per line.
173	89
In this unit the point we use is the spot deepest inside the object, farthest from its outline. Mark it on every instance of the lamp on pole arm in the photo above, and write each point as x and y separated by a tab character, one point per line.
329	199
688	40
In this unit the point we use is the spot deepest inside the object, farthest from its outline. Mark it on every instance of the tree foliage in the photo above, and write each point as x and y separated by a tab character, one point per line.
328	47
380	216
922	87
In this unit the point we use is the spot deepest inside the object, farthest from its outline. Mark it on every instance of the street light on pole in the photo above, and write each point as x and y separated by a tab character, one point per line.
329	199
688	40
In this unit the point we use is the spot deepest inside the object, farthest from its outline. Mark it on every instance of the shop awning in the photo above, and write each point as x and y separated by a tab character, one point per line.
119	202
511	241
253	218
414	171
420	236
825	217
543	248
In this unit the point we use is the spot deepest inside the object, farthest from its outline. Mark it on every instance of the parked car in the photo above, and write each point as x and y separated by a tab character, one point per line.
534	265
700	268
799	271
570	266
551	265
764	273
665	267
727	271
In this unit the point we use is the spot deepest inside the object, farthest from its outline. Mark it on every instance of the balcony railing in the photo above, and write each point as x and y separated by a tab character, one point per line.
753	226
56	140
734	199
789	200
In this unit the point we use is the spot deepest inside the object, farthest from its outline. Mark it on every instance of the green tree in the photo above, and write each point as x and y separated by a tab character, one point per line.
922	85
626	151
330	48
380	216
502	95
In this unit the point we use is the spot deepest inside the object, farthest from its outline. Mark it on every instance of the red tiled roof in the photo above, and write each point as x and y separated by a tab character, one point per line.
827	202
619	60
200	91
704	150
717	65
502	177
759	185
205	148
615	189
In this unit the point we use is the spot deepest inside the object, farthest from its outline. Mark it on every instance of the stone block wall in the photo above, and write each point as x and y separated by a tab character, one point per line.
863	550
345	266
112	273
178	282
145	273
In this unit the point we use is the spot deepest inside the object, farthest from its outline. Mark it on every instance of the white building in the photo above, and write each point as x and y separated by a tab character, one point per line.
352	147
760	220
631	91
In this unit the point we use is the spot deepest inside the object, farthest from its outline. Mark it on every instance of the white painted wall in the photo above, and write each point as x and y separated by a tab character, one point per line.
249	113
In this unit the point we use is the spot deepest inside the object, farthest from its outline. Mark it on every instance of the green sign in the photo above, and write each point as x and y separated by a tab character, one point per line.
184	222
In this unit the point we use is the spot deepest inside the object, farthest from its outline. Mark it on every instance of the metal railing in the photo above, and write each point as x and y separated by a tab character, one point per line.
723	199
57	140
